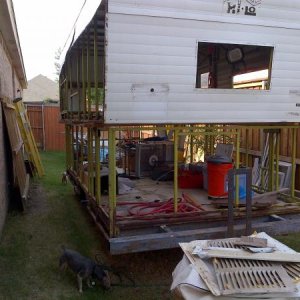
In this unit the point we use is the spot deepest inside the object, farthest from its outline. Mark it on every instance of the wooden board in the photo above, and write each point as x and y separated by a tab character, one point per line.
21	178
242	254
28	138
252	242
202	269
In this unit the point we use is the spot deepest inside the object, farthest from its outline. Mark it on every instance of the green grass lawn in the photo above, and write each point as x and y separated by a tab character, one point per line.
31	246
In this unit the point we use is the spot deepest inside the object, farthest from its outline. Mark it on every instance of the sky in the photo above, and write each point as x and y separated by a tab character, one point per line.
44	26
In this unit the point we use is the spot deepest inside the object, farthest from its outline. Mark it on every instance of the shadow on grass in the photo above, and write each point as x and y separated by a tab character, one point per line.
31	242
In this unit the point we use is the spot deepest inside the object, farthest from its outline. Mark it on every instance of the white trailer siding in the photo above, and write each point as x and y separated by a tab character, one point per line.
151	61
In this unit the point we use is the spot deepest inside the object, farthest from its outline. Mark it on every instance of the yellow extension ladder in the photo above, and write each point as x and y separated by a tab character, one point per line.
28	138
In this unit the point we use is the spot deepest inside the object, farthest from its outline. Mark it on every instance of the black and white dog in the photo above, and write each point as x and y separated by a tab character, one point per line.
84	267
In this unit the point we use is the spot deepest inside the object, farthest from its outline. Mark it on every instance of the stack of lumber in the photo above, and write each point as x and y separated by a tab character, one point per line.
257	267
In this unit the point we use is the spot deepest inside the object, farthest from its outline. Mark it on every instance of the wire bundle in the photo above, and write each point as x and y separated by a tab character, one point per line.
145	209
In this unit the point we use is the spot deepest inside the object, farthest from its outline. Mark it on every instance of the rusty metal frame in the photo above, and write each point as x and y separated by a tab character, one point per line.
232	174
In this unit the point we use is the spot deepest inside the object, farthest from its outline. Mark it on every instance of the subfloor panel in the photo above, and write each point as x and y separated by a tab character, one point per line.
141	224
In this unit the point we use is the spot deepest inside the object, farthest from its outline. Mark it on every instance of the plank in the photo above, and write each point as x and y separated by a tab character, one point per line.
282	157
202	269
15	142
10	106
252	242
18	147
28	138
242	254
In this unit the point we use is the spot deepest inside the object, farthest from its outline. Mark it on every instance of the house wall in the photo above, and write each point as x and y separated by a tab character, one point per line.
3	175
152	45
12	79
6	71
6	89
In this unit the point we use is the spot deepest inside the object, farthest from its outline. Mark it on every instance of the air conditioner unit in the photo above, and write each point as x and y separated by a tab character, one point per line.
152	155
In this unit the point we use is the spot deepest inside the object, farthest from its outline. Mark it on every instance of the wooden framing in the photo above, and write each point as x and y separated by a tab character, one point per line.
21	178
128	234
90	69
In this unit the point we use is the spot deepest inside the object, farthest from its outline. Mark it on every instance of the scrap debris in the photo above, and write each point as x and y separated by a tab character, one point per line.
238	268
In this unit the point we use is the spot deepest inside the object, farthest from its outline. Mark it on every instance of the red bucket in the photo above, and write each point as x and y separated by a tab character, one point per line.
218	179
190	180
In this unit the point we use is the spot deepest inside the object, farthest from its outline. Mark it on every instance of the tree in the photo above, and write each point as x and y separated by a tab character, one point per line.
57	63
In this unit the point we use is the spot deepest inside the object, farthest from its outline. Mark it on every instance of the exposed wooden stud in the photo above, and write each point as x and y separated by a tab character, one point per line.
112	182
175	170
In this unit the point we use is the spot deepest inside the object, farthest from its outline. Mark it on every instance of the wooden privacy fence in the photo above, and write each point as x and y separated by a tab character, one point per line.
254	140
49	133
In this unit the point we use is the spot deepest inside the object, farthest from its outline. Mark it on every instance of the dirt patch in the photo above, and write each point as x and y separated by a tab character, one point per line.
37	201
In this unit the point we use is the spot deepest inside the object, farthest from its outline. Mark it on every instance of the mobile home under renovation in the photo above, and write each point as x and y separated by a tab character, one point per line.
198	73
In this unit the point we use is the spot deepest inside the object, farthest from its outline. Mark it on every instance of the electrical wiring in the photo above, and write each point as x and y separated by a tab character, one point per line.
73	27
142	209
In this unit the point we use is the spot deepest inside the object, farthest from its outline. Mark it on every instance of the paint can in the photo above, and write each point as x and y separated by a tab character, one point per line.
217	175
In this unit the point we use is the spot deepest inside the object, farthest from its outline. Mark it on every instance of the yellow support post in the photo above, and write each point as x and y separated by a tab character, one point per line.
212	141
81	154
68	146
83	80
237	188
247	147
96	75
72	148
91	162
112	181
294	149
175	170
69	104
88	77
89	159
271	161
77	150
93	173
277	159
206	138
98	178
78	82
192	149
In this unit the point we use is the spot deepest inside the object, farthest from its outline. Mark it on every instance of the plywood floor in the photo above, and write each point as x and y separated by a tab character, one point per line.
149	190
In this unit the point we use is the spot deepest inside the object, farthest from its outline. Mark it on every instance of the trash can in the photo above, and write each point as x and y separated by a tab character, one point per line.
217	175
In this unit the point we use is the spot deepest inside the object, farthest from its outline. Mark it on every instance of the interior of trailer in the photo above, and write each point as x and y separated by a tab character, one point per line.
132	176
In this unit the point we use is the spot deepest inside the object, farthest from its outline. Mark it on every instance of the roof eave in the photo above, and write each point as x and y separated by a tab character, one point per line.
10	34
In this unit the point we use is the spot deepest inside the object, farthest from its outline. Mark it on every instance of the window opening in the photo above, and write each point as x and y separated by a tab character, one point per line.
233	66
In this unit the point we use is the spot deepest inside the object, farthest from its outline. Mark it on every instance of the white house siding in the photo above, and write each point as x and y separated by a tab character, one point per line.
6	71
152	44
